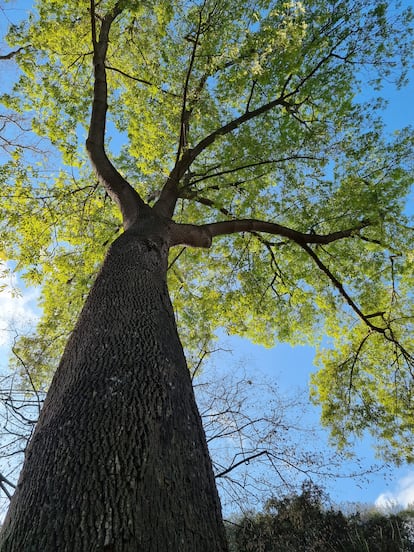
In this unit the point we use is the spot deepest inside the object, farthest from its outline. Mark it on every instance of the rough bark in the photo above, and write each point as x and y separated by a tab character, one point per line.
119	461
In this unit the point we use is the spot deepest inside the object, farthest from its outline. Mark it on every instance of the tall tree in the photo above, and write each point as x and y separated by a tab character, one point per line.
242	127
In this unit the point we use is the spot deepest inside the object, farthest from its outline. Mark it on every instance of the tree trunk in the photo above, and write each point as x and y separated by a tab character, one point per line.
119	461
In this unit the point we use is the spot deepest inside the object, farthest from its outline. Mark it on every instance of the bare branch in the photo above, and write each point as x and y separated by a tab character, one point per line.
3	483
172	263
241	462
12	54
5	480
29	376
141	81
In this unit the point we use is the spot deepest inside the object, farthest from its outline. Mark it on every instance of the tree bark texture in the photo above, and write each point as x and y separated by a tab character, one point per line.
118	461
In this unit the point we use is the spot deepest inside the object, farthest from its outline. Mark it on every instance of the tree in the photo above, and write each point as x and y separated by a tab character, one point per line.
302	522
242	127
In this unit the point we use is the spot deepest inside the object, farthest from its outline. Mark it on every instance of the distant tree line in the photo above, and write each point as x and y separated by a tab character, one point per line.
303	523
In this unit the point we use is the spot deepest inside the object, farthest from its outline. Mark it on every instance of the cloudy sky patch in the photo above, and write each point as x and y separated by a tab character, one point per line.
401	497
18	309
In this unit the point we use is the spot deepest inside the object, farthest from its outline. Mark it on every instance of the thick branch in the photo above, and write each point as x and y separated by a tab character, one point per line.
189	234
201	236
117	187
249	225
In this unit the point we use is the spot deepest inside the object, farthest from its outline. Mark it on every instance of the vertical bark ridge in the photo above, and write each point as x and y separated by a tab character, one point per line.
118	461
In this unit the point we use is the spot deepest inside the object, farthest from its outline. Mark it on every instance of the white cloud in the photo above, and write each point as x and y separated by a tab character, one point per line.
400	497
18	309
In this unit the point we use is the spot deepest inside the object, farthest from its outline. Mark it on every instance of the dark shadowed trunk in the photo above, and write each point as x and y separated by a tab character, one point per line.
118	461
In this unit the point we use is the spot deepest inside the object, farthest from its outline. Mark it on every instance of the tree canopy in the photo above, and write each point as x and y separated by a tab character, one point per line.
250	123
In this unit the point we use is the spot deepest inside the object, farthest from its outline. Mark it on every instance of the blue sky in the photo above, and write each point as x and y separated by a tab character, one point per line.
288	367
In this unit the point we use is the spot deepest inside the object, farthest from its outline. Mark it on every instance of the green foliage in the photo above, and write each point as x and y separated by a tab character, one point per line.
302	523
319	163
